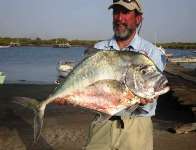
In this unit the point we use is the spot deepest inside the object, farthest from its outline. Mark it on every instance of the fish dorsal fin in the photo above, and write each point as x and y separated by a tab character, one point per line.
90	51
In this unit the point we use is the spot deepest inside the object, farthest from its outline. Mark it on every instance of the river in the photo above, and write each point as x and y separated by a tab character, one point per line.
39	64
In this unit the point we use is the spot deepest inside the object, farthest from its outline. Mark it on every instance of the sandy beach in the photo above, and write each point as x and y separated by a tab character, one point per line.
66	127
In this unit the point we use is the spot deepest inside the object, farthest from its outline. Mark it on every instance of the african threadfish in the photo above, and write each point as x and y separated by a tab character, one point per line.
105	81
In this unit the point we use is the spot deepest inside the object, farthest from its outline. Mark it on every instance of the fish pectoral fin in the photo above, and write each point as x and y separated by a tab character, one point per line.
129	79
135	82
132	108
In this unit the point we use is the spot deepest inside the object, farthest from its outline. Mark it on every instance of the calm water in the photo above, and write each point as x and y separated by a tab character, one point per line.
179	53
39	64
35	64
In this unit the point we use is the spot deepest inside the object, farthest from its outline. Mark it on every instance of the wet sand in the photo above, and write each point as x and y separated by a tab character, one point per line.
66	127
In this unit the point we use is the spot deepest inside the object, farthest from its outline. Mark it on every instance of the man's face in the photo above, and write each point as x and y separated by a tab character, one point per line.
125	22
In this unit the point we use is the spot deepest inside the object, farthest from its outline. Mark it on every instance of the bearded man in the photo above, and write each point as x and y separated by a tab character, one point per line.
137	130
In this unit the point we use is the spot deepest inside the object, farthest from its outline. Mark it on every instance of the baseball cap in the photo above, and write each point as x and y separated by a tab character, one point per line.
128	4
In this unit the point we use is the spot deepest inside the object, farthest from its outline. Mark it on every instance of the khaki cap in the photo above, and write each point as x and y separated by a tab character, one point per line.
133	5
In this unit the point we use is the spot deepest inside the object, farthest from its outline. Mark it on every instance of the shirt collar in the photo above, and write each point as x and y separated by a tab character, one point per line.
113	44
135	43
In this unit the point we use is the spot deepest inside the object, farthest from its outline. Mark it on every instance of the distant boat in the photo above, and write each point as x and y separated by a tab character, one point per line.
14	44
194	51
62	45
7	46
2	77
169	54
184	59
65	67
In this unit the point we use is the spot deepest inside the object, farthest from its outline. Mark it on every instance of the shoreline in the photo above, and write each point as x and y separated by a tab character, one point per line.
193	49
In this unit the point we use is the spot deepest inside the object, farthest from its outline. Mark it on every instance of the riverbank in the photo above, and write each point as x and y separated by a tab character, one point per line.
66	127
5	41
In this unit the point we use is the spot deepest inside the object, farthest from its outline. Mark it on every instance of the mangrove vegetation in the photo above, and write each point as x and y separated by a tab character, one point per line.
50	42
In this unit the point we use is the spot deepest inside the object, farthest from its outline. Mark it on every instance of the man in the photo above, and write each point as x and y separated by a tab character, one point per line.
136	132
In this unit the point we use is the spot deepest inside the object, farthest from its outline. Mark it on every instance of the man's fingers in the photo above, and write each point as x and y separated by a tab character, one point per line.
146	101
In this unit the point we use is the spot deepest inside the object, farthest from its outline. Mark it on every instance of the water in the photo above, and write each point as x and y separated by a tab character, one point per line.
39	64
180	53
35	64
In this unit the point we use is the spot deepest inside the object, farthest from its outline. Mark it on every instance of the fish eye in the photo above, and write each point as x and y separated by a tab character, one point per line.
143	71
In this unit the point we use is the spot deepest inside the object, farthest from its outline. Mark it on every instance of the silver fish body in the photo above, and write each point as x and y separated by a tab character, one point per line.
135	70
106	81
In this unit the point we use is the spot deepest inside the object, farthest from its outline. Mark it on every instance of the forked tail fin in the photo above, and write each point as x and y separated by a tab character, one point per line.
38	109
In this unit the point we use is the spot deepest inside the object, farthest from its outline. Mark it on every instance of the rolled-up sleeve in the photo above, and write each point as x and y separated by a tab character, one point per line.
159	59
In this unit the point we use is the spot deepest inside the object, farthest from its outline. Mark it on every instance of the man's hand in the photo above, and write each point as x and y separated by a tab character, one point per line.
146	101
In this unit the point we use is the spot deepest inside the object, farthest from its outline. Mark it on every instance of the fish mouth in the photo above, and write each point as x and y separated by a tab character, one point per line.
162	86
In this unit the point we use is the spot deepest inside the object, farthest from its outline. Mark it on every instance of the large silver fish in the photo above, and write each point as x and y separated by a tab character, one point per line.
106	81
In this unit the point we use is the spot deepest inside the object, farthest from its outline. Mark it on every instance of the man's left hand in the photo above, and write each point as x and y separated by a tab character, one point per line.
145	101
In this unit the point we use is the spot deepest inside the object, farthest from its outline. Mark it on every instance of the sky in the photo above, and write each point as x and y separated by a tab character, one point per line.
164	20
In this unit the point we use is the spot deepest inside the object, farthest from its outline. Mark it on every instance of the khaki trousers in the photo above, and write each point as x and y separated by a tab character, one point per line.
136	135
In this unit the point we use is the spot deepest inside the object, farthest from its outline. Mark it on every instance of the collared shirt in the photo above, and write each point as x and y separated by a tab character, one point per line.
138	44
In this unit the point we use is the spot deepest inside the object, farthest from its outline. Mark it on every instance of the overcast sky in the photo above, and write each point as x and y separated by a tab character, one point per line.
164	20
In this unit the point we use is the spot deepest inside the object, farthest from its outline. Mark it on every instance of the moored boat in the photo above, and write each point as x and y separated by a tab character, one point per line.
14	44
185	59
65	67
2	77
169	54
7	46
62	45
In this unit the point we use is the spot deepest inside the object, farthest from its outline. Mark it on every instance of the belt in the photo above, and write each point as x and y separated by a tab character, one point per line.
120	123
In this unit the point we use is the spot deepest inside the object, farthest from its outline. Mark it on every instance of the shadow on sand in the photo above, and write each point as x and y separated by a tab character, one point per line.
12	121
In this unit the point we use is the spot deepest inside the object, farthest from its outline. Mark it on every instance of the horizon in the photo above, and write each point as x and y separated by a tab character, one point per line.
34	38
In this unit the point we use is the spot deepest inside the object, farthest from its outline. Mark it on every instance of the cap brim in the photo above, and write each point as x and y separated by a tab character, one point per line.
124	4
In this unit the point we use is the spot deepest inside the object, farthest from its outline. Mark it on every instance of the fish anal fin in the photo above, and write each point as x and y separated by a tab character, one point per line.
101	118
132	108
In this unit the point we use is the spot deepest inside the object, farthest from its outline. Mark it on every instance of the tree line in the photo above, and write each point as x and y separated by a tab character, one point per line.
50	42
178	45
44	42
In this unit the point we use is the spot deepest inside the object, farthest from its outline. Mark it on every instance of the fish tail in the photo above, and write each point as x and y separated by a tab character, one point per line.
38	109
38	122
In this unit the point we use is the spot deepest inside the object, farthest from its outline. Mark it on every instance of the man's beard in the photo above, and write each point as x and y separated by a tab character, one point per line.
122	35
